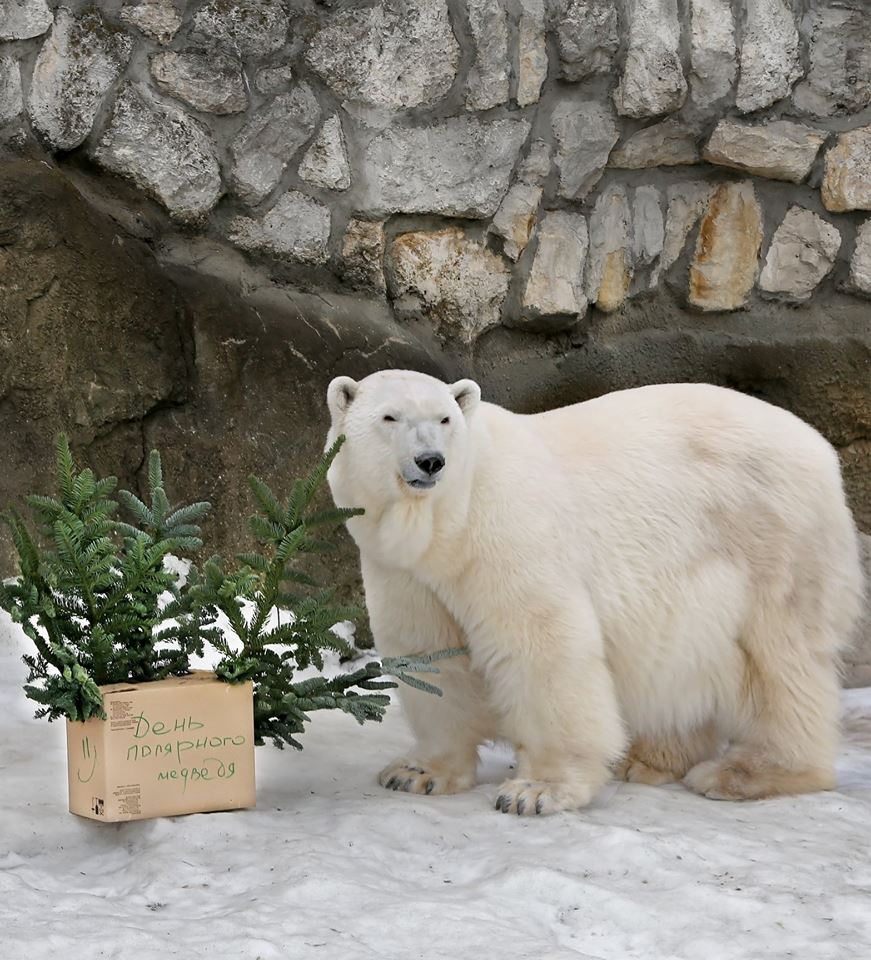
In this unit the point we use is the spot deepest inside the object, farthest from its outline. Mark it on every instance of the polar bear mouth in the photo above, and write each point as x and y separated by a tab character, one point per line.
419	484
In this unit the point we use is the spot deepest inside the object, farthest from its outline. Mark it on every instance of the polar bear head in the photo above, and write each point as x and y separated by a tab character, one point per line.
407	434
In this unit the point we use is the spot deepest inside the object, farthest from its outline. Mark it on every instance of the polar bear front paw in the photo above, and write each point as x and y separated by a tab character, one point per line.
529	798
409	776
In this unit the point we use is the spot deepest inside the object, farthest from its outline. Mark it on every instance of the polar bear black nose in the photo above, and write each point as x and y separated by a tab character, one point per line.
430	463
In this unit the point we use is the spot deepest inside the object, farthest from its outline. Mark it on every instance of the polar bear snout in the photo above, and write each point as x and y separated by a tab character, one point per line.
430	463
424	473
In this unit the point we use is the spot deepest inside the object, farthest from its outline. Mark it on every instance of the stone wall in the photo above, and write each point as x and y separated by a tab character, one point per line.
559	198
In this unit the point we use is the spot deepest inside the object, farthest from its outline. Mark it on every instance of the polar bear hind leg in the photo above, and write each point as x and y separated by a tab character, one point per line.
656	760
785	732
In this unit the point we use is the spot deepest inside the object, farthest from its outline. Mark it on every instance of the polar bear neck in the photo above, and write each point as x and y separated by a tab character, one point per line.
425	534
419	533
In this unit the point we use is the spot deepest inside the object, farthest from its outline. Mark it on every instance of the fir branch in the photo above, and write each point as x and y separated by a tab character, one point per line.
90	591
266	500
404	667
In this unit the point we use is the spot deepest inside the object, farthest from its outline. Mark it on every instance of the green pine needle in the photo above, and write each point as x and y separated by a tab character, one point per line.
90	591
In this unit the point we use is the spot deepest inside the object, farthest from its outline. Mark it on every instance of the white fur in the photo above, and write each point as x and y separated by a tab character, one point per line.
673	565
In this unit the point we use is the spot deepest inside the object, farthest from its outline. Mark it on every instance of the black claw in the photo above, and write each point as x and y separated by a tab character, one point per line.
521	806
499	801
538	805
391	783
429	786
406	784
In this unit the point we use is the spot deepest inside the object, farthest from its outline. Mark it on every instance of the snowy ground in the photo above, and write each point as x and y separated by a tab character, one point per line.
329	865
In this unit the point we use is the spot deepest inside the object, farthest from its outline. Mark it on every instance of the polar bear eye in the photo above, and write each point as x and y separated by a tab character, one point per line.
389	419
446	420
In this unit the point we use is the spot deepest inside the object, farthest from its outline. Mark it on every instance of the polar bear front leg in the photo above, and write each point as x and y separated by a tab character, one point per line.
407	618
556	697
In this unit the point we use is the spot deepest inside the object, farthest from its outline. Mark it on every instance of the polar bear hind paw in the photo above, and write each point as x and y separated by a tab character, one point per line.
407	776
732	779
637	771
530	798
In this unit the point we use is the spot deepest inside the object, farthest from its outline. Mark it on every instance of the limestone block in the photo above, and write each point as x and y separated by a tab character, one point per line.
847	179
296	228
724	267
450	279
781	150
164	151
802	252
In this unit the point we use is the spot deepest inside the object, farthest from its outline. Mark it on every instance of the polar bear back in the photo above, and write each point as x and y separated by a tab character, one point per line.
679	446
636	489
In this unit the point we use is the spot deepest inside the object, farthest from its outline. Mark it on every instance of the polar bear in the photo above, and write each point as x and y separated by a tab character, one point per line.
655	583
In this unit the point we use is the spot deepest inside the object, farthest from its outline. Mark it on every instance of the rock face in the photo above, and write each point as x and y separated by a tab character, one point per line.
857	659
163	151
325	163
802	252
363	255
839	79
209	82
75	299
585	132
264	146
459	167
531	52
246	28
587	37
609	265
666	144
686	202
515	218
847	180
487	84
653	80
770	56
297	228
22	19
157	19
77	64
781	150
453	281
712	51
860	262
554	294
724	267
398	54
11	102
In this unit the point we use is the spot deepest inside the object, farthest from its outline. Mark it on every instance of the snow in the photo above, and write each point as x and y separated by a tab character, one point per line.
329	865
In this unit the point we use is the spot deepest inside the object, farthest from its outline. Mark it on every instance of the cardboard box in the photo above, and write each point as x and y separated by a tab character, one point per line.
174	746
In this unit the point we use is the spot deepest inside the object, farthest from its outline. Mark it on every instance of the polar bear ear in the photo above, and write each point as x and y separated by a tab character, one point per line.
467	393
340	393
